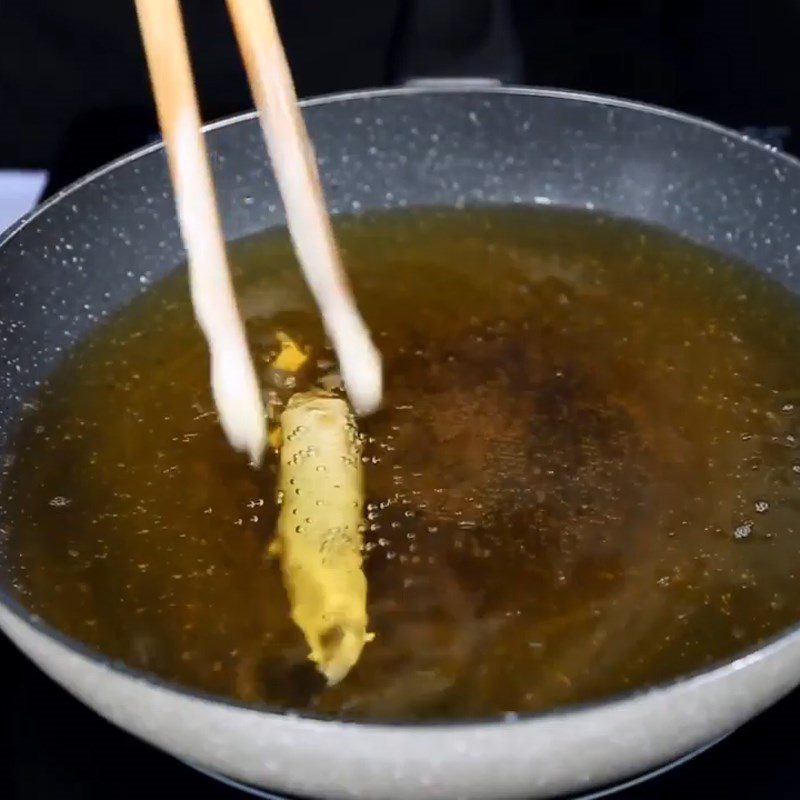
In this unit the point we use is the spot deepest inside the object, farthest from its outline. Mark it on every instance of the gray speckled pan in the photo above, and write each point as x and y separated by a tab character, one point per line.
101	242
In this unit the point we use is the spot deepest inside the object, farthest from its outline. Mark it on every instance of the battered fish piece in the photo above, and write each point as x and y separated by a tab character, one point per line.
319	539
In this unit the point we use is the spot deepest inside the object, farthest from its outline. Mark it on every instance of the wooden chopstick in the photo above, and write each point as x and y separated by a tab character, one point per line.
233	379
309	225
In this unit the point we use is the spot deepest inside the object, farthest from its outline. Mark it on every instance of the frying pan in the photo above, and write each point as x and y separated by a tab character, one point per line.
98	244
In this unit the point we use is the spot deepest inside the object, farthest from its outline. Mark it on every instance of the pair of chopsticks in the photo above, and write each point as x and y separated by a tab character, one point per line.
233	379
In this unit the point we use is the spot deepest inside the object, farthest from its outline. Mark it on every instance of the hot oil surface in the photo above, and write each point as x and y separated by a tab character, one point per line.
584	480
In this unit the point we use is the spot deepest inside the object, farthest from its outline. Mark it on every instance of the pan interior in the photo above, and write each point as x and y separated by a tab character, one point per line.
584	480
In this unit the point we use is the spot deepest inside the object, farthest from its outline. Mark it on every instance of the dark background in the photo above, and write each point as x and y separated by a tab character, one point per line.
61	63
74	93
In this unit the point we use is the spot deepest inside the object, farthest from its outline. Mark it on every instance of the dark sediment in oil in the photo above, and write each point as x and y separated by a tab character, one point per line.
584	479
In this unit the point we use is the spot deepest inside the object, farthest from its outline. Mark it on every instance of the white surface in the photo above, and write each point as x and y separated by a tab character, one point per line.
19	192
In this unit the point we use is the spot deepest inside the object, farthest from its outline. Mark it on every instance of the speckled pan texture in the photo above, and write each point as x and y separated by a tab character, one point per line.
105	240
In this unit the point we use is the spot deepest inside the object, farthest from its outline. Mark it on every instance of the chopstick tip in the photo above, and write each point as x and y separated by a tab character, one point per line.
362	374
238	400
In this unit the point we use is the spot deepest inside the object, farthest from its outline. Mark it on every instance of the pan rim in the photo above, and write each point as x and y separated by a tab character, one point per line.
406	91
689	680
